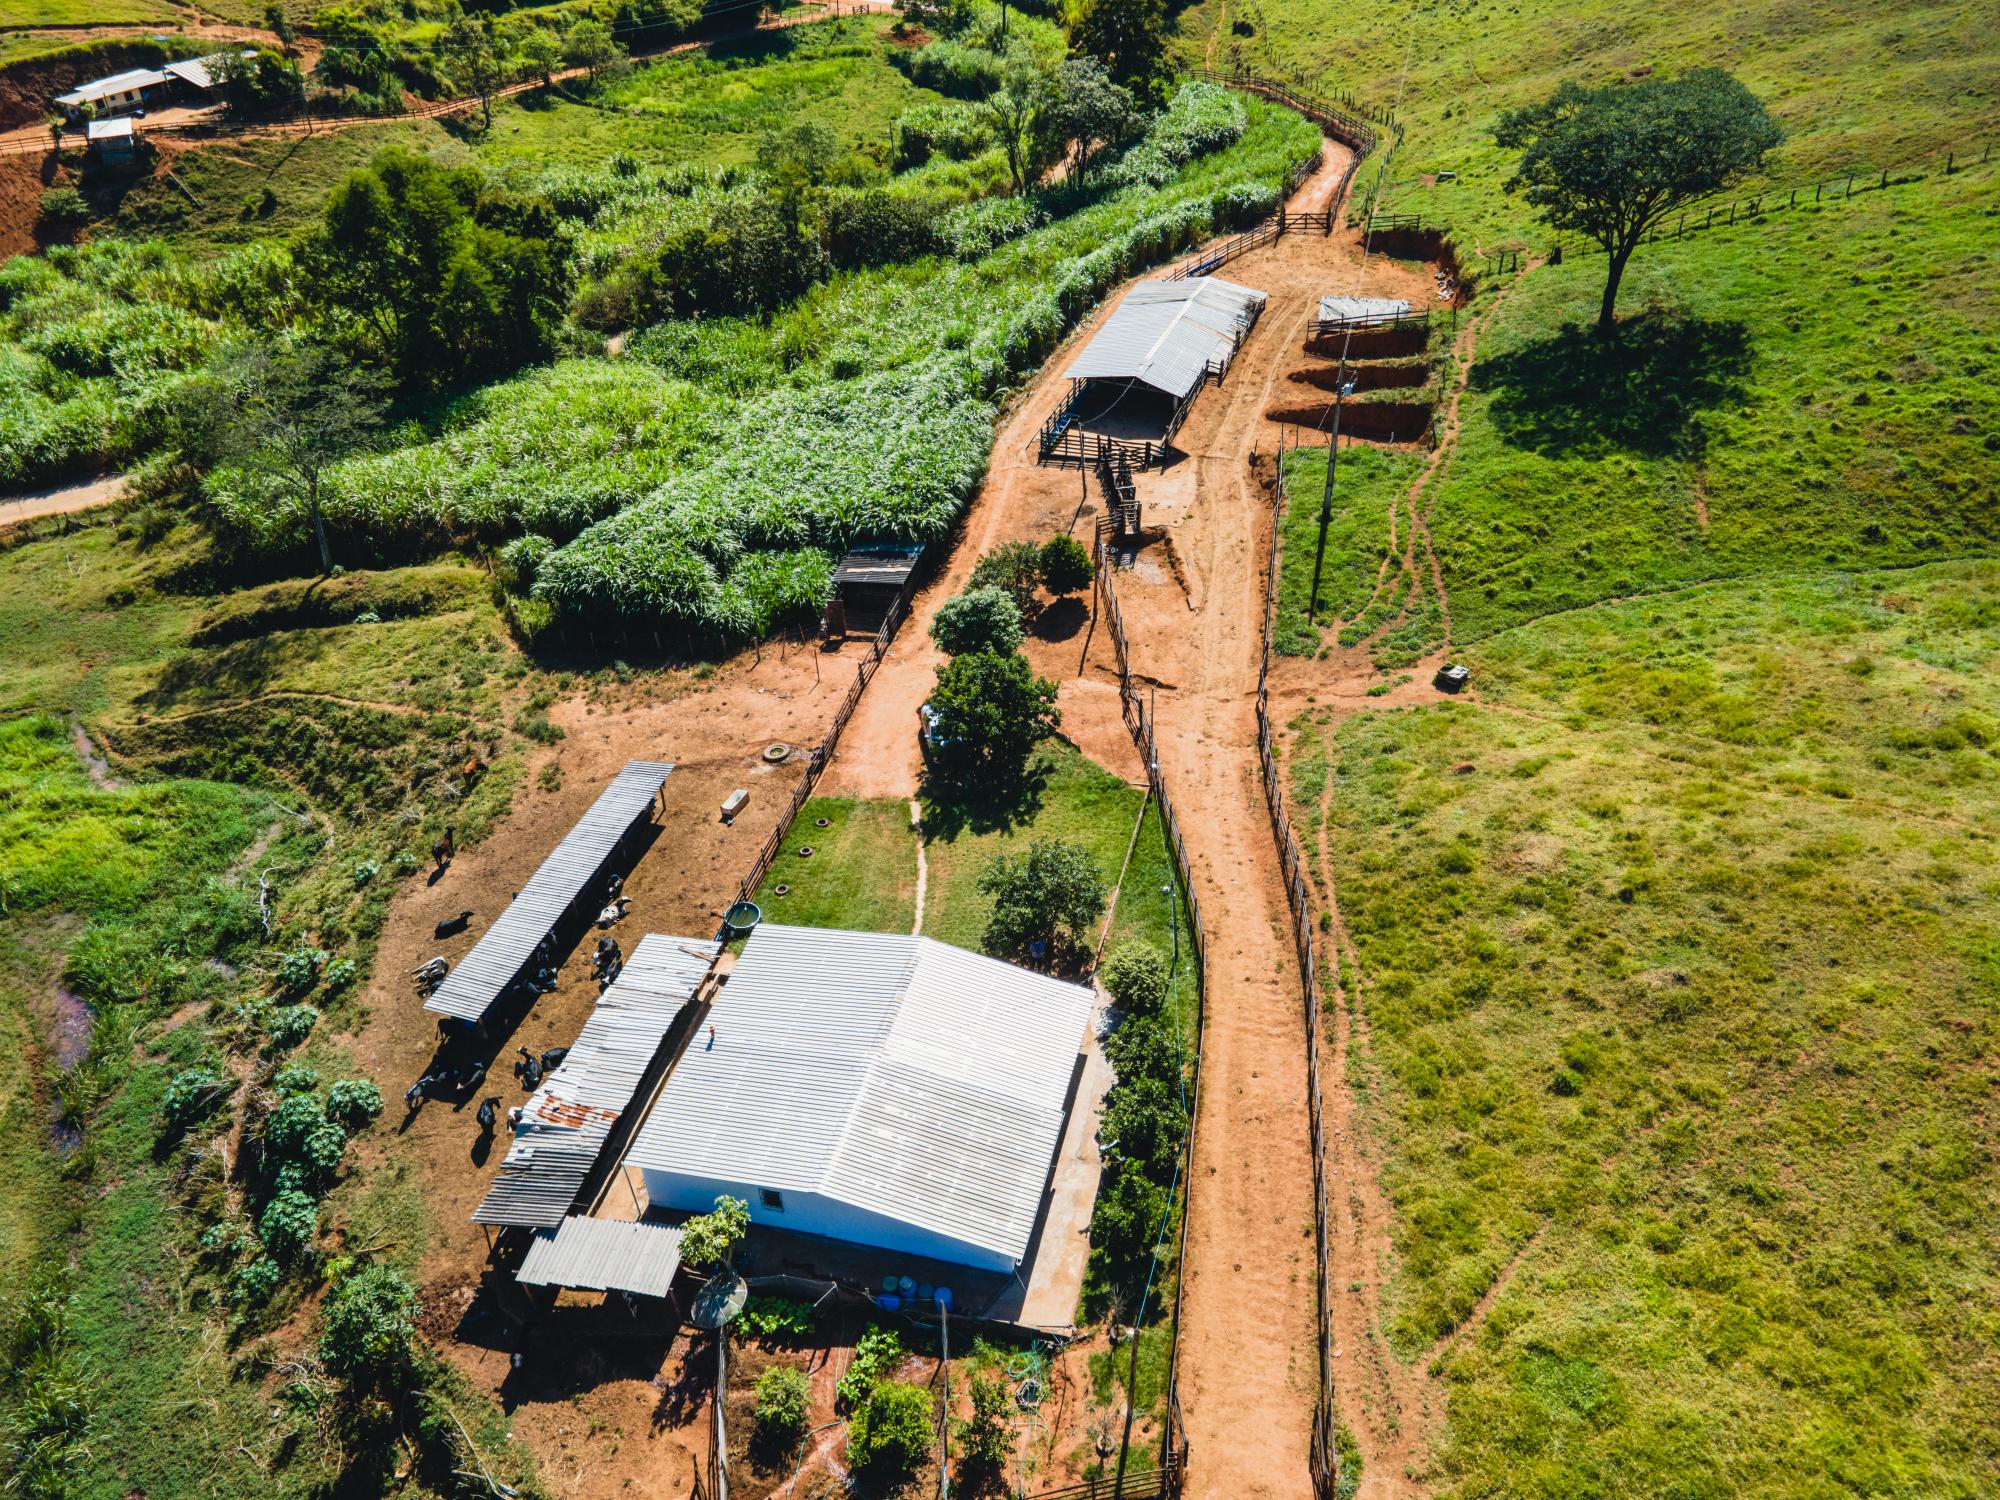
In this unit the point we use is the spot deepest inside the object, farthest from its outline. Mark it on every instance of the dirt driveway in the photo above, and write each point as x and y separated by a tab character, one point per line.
1193	605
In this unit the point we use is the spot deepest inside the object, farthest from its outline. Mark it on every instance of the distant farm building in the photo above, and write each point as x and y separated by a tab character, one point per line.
867	584
121	93
200	78
1132	384
883	1090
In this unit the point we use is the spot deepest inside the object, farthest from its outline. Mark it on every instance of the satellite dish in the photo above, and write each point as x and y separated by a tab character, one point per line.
717	1304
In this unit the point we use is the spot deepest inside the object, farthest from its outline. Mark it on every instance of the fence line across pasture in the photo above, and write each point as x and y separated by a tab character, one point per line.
1298	894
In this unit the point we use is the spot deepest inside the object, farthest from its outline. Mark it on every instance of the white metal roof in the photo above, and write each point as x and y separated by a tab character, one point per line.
205	72
565	1122
894	1073
104	130
1362	309
1165	334
505	948
128	82
604	1255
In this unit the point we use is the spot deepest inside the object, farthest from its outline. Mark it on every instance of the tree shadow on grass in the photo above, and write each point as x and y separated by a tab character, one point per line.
991	804
1577	395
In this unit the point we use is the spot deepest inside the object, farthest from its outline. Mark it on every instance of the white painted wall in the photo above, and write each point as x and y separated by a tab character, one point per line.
812	1213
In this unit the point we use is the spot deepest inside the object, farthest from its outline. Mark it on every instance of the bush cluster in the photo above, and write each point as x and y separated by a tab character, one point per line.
1145	1121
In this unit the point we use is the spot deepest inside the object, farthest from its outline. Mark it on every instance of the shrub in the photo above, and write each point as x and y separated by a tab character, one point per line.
1015	567
875	1355
878	229
773	1317
891	1431
191	1094
64	209
943	128
288	1127
289	1222
290	1025
984	1441
980	619
353	1103
1135	975
782	1397
299	968
1065	565
991	711
255	1280
367	1332
1126	1221
1043	902
952	68
342	971
295	1078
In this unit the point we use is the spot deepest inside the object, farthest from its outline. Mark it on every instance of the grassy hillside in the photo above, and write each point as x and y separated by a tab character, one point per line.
1675	948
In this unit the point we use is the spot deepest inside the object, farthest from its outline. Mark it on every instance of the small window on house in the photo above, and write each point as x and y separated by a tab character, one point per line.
772	1199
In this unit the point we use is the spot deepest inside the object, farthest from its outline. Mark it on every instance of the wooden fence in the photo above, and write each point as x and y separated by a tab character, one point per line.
1324	327
1298	896
823	752
1139	720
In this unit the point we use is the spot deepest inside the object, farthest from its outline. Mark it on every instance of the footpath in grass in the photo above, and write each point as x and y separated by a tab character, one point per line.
1361	587
1675	977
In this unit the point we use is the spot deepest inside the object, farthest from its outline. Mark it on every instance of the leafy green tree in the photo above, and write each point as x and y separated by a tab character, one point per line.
984	1441
1050	896
279	20
1129	37
1612	162
782	1400
1065	565
446	277
541	54
1126	1221
302	410
368	1329
1135	975
589	44
474	66
1147	1120
1015	567
991	711
259	83
1088	110
891	1431
981	619
1143	1047
1013	110
939	17
710	1239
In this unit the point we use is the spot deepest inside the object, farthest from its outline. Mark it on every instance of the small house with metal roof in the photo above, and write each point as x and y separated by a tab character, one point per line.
880	1089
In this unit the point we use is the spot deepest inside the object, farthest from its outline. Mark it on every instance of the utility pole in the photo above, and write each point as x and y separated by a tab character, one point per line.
1341	385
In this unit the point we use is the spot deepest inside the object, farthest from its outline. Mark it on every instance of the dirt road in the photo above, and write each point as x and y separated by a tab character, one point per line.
1193	606
61	499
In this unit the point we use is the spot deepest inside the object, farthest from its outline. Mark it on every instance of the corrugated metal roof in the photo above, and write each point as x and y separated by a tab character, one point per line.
894	1073
128	82
885	565
1165	334
565	1122
1362	309
604	1255
205	72
504	949
105	130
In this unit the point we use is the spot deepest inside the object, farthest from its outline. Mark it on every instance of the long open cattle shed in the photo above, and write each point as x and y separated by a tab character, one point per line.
1171	335
566	1122
506	948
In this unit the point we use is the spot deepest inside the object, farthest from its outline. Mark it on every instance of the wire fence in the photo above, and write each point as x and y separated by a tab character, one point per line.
1298	896
1710	214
